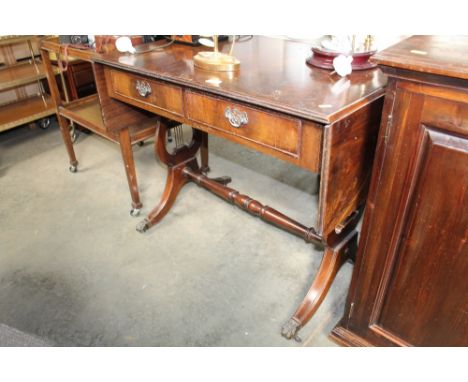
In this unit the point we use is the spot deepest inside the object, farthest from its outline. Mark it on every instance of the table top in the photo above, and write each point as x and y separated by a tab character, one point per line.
442	55
273	74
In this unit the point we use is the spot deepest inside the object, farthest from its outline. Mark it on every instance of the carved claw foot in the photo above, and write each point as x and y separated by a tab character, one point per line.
289	330
143	226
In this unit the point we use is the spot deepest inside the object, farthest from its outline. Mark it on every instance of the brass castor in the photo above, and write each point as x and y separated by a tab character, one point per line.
44	123
135	212
143	226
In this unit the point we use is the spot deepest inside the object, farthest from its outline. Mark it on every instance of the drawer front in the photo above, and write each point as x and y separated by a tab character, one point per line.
267	129
148	94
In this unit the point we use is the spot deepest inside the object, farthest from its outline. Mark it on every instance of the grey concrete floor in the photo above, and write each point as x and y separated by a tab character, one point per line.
75	272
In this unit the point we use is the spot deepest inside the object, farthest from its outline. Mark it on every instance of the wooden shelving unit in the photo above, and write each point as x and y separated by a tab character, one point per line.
24	99
25	111
21	74
15	39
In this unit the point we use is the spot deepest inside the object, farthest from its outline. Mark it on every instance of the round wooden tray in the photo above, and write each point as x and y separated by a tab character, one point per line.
324	59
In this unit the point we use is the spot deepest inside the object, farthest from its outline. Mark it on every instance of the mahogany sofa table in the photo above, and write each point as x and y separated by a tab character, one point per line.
275	104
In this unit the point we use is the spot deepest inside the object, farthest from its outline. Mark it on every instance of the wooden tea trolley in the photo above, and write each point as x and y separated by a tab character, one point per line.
111	119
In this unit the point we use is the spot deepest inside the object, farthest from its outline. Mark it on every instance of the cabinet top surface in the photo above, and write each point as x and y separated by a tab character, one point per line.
273	73
16	39
442	55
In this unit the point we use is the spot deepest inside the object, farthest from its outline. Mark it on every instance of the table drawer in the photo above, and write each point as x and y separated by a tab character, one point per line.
148	94
273	130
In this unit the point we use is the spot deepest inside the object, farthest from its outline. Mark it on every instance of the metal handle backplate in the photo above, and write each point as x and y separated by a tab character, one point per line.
236	117
143	88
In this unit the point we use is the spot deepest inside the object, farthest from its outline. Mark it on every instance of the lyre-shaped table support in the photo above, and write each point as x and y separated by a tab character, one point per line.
182	167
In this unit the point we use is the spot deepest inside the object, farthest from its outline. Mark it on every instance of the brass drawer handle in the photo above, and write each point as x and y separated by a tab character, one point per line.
235	117
143	88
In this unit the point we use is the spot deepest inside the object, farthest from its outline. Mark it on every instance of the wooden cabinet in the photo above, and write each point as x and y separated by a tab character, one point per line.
410	282
80	79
